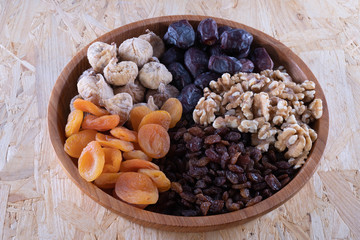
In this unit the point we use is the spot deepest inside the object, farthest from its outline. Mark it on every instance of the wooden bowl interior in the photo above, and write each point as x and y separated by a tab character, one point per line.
65	89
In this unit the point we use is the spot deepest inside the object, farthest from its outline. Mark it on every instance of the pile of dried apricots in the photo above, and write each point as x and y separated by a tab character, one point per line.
114	156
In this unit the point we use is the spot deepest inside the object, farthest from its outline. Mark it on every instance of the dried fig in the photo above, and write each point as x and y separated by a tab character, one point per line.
136	50
155	41
119	74
135	89
99	55
163	93
154	73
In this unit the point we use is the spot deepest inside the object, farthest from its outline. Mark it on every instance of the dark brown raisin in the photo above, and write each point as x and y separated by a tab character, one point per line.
204	207
212	139
253	201
272	182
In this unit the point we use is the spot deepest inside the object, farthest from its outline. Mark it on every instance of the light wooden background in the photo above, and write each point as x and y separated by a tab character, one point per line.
38	38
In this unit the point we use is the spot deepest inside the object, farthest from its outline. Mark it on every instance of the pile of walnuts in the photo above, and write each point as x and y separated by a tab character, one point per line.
119	77
270	106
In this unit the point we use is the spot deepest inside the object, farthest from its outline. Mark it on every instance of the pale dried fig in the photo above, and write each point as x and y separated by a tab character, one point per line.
135	89
163	93
120	104
155	41
154	73
99	55
119	74
136	50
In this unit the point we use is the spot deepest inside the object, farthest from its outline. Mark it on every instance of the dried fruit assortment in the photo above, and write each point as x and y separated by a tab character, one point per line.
135	132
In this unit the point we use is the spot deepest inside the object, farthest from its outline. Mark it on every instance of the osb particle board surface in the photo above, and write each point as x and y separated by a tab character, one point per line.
38	38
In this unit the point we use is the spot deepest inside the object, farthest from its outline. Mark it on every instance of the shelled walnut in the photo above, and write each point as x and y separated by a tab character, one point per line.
275	109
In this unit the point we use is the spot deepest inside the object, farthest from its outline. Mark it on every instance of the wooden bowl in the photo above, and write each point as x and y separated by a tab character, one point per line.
65	89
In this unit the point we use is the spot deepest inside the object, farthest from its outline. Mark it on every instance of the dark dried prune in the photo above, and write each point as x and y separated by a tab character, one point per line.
181	76
203	80
216	50
189	97
247	65
196	61
243	53
180	34
223	29
261	59
173	54
236	40
224	64
207	31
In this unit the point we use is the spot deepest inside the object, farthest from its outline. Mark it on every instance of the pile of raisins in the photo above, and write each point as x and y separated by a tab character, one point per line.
196	57
216	171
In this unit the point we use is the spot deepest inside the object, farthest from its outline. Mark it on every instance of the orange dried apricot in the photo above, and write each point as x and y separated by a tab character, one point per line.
162	118
112	142
136	154
174	107
134	165
137	114
107	180
102	123
74	122
125	134
75	143
91	161
161	181
136	188
154	140
87	106
141	206
113	160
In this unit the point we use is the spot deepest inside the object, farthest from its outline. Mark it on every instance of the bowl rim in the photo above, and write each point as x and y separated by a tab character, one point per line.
198	223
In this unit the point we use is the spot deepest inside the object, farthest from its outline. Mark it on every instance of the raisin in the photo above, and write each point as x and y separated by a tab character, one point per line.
233	136
232	177
255	177
194	144
180	34
253	201
196	61
204	207
224	64
196	131
181	76
272	182
212	139
219	181
207	31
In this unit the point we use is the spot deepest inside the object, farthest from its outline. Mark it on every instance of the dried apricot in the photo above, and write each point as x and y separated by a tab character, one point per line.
109	141
107	180
137	114
125	134
141	206
91	161
136	154
113	160
74	122
162	118
75	143
102	123
154	140
174	107
161	181
136	188
87	106
133	165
